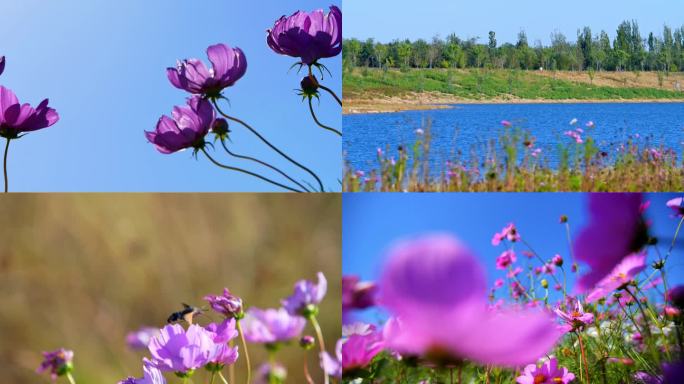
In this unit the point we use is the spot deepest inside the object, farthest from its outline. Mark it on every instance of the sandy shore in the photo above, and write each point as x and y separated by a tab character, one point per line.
431	101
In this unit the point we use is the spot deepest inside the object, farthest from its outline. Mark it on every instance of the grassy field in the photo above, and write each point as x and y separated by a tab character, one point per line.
361	86
80	271
511	163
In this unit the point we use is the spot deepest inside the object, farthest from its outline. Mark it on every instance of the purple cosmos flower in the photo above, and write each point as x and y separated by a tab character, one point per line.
357	294
619	277
674	372
308	36
332	366
359	350
270	326
677	206
16	118
186	128
271	373
2	64
548	373
576	319
181	351
227	304
505	259
616	229
191	75
58	362
307	295
151	375
646	378
140	339
437	279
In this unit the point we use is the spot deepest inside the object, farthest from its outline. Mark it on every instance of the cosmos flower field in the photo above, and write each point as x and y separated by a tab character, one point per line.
515	163
618	322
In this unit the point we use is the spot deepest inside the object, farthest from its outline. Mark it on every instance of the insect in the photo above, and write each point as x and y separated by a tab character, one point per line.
186	314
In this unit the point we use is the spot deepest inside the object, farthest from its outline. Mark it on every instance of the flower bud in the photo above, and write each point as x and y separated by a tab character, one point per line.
544	283
220	128
557	260
307	342
563	219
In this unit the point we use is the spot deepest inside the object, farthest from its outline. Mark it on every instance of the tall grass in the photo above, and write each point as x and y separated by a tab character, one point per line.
80	271
513	163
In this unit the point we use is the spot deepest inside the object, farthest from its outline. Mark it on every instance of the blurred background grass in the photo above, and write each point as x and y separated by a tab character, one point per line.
80	271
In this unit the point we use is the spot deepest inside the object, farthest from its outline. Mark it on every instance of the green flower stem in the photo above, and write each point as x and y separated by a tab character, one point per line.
68	374
273	147
313	114
223	378
330	91
243	157
5	164
307	375
321	342
231	368
213	376
584	357
247	172
244	346
674	239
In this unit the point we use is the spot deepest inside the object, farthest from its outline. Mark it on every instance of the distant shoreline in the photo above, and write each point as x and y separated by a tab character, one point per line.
418	103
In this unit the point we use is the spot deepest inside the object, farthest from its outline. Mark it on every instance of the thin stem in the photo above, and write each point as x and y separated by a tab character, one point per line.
222	378
313	114
451	375
321	342
68	374
307	375
5	164
674	239
231	368
584	357
223	144
330	91
247	172
244	346
213	376
273	147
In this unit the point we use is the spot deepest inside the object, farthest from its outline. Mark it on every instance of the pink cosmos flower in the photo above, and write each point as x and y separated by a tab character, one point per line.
514	272
140	339
619	277
547	373
227	304
509	232
576	319
359	350
575	136
616	229
437	280
506	123
677	206
590	124
271	326
505	259
498	283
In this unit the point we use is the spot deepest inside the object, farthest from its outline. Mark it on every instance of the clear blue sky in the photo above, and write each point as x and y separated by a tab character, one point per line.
372	222
102	64
386	20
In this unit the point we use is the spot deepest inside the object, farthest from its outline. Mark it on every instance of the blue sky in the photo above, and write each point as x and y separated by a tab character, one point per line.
372	222
386	20
102	64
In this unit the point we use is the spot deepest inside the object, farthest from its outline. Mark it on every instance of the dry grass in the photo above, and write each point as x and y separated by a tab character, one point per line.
80	271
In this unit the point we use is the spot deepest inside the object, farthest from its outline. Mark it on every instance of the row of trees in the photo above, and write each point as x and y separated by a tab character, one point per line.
628	51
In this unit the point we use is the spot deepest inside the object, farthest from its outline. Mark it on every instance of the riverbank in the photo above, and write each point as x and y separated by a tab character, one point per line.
414	101
378	91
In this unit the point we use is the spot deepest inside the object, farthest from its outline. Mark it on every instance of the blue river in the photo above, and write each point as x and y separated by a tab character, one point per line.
466	129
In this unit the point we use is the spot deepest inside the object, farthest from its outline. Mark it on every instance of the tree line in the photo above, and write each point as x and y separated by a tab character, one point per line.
628	51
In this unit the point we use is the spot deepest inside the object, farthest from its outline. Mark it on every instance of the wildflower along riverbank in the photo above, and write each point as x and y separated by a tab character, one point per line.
514	161
372	90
